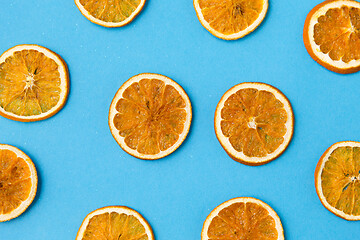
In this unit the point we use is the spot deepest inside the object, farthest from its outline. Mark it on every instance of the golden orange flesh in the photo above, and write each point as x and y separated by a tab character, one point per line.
230	16
15	181
151	116
110	10
254	121
114	226
338	33
29	83
243	221
340	180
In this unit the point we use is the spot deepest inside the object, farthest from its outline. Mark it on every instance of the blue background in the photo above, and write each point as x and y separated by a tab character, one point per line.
82	168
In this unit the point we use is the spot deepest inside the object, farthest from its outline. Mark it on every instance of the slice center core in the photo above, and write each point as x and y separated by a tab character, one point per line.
355	178
29	81
252	123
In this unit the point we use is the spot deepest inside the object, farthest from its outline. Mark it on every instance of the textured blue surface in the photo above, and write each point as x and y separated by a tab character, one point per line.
81	167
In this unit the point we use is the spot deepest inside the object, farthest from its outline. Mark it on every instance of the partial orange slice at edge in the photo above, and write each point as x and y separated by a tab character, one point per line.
332	35
243	218
150	116
110	13
18	182
115	222
231	19
337	180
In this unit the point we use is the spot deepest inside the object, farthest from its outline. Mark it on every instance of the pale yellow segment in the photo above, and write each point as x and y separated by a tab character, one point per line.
110	10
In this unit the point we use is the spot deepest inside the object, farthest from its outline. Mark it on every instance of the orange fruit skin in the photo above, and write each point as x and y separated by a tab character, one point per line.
308	45
67	92
103	25
151	231
223	38
251	163
316	174
35	183
109	119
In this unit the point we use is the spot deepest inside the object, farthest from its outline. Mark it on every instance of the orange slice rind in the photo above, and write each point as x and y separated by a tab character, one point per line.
34	83
150	116
337	180
254	123
231	19
115	222
110	13
243	218
18	182
332	35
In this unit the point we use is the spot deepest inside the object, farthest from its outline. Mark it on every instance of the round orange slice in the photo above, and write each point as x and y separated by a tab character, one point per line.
34	83
243	218
110	13
150	116
115	223
254	123
231	19
337	180
18	182
332	35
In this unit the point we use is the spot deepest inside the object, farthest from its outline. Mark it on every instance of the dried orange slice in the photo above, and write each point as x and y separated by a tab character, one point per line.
332	35
115	223
231	19
150	116
34	83
110	13
337	180
254	123
18	182
243	218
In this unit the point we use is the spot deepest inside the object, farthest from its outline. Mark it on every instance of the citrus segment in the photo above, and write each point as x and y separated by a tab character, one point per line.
115	223
231	19
337	180
110	13
33	83
332	35
18	182
150	116
254	123
242	218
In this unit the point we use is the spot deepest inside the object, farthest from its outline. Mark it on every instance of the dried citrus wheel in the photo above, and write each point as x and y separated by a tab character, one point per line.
18	182
254	123
243	218
332	35
150	116
34	83
115	222
231	19
337	180
110	13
